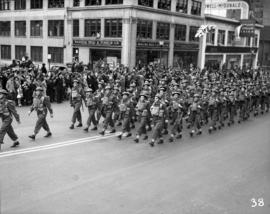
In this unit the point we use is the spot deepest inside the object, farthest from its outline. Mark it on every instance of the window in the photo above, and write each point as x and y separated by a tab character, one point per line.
76	3
92	2
114	1
5	52
76	28
180	32
221	37
248	40
92	27
163	31
4	4
20	52
196	8
56	28
231	36
192	32
57	54
5	28
144	29
20	4
56	3
146	3
181	6
113	28
164	4
37	53
255	40
20	28
210	37
36	28
36	4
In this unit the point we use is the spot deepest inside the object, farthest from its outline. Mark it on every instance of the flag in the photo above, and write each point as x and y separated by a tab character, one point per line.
204	29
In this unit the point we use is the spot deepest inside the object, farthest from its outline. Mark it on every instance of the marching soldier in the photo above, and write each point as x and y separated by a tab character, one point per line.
91	104
7	111
195	114
41	104
158	111
143	112
177	116
108	105
76	98
125	108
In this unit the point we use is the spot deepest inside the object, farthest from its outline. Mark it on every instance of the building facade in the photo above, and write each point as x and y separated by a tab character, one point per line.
121	31
127	32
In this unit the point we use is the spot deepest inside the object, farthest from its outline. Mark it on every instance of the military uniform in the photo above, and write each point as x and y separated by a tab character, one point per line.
177	116
7	111
76	98
108	105
91	104
143	113
195	116
41	104
125	107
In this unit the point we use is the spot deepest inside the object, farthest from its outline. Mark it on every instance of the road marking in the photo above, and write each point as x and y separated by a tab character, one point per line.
55	145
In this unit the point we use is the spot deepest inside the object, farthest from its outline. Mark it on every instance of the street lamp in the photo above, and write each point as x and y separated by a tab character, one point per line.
161	44
49	60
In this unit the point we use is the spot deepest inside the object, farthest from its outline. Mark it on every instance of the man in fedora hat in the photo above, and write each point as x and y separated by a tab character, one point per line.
41	104
7	110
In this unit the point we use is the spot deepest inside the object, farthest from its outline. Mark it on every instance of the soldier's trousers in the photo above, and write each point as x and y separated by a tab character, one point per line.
126	123
157	133
195	120
108	121
214	117
142	125
91	117
77	113
7	128
231	111
41	123
177	126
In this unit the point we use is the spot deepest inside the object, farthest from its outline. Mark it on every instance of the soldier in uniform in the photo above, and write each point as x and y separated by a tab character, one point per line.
108	105
7	111
195	115
41	104
76	98
177	116
158	111
91	104
125	108
143	113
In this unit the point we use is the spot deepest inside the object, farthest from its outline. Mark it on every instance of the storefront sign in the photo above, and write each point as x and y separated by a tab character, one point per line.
148	44
227	5
222	49
97	43
186	47
247	28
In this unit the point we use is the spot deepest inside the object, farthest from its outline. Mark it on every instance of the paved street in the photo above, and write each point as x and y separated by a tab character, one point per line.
79	173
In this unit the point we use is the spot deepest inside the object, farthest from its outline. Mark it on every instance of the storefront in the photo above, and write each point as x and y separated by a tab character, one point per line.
213	61
91	51
152	52
235	56
185	54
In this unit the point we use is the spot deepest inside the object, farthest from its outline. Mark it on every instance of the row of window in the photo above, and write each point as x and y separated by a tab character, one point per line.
181	5
231	38
57	53
55	28
113	28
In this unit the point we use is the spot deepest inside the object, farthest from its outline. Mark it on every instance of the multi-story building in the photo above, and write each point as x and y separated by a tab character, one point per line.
121	31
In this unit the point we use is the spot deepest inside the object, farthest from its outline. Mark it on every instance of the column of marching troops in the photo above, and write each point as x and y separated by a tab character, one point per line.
163	107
